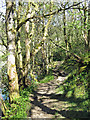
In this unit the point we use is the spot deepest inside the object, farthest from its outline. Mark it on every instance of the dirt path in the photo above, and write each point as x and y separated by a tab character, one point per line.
46	103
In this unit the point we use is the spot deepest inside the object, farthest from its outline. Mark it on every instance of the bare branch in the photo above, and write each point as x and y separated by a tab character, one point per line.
51	13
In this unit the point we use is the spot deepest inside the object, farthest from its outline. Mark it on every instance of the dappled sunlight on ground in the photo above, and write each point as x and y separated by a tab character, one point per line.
46	103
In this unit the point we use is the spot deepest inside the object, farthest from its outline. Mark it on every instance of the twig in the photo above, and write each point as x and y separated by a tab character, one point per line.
46	15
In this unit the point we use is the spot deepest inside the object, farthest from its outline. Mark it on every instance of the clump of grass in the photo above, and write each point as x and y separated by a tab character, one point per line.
47	79
21	106
76	89
60	90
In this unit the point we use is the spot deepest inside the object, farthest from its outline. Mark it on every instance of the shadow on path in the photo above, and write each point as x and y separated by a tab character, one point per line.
64	113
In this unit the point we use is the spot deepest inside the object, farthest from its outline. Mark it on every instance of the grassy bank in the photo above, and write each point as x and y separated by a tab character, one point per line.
75	90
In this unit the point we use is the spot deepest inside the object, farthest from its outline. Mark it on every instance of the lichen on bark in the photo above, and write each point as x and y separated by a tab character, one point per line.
12	73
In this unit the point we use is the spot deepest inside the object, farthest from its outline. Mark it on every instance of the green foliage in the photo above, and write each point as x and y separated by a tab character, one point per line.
47	79
76	87
4	56
21	106
60	90
58	55
18	109
3	76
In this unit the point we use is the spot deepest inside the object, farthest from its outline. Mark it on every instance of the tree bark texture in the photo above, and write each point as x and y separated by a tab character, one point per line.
12	73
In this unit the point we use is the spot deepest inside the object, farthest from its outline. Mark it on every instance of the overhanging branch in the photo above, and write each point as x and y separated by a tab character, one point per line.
46	15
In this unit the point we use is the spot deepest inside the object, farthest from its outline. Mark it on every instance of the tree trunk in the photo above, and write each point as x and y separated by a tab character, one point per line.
88	81
12	73
28	41
27	44
89	26
19	51
33	58
85	27
65	36
44	44
47	57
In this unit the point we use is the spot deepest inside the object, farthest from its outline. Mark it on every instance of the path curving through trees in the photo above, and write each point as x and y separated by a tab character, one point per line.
45	102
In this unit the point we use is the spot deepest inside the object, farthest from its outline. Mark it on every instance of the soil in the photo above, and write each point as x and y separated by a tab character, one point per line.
46	102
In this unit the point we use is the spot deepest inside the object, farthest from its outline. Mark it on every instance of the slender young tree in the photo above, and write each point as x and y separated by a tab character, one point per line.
89	26
33	42
85	26
27	45
47	47
19	51
29	36
44	45
64	30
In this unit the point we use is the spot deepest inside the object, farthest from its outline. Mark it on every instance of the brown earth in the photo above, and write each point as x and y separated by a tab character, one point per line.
46	103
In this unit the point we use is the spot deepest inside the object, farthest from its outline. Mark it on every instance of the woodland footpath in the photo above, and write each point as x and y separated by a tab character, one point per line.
45	59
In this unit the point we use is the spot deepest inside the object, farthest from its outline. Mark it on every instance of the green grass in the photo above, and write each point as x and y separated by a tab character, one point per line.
47	79
21	106
75	89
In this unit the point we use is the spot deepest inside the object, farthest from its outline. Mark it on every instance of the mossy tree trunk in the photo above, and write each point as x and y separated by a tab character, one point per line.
33	57
88	81
27	45
10	31
85	26
44	44
64	30
28	40
19	50
89	26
